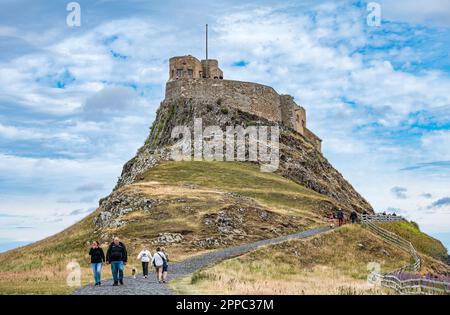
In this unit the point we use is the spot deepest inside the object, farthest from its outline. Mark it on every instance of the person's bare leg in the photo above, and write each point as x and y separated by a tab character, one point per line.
158	274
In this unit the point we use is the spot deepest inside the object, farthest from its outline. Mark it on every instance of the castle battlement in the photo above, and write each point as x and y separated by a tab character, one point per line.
261	100
189	67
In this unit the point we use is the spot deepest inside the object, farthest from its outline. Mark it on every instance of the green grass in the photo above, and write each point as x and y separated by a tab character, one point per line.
421	241
243	178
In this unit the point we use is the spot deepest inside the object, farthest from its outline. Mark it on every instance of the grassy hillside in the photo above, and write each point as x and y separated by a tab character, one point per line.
259	205
422	242
213	205
40	268
331	263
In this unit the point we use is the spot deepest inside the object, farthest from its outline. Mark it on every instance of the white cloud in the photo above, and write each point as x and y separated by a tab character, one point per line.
433	12
23	133
313	55
111	101
436	145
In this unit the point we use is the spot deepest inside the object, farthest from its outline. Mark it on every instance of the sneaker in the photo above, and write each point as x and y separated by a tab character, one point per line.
99	284
121	282
95	284
115	284
164	281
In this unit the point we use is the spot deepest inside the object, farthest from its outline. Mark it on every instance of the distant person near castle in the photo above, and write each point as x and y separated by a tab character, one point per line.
353	217
341	217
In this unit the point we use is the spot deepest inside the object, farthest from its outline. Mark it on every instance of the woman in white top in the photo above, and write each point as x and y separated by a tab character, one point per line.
145	257
158	262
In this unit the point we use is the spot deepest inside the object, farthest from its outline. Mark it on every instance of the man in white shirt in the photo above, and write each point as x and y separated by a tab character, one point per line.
145	256
158	260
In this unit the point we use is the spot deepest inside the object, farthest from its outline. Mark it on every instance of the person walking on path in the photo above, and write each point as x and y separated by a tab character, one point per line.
353	217
165	265
158	262
340	216
117	256
331	220
97	260
144	256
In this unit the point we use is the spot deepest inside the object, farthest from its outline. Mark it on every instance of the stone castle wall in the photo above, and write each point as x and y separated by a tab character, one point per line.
254	98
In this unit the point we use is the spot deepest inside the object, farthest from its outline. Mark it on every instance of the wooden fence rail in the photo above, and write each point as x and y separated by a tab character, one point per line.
390	279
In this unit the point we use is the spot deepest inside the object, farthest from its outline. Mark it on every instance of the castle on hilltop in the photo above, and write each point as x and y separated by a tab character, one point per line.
192	78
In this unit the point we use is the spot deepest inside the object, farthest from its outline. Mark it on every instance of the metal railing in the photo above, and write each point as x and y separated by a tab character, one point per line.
391	280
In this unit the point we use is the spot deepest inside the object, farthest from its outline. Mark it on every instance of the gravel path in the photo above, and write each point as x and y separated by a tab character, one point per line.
140	286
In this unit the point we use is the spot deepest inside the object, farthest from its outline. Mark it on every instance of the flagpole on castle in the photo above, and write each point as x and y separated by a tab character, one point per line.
207	65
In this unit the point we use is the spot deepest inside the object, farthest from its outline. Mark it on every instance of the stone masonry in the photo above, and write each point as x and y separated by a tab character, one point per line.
191	79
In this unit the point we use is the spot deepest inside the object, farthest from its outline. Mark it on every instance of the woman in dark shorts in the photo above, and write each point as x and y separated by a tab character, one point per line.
165	265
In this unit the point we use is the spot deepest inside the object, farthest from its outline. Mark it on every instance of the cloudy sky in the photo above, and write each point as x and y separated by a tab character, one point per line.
76	103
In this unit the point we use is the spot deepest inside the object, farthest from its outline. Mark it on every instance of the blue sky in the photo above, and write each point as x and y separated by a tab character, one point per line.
76	103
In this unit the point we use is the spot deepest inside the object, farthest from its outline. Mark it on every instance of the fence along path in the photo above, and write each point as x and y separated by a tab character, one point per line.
393	279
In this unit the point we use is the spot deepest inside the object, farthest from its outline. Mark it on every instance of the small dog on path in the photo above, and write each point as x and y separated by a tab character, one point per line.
133	272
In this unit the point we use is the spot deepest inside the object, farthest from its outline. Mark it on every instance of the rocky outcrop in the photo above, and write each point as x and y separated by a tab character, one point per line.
300	161
113	209
168	238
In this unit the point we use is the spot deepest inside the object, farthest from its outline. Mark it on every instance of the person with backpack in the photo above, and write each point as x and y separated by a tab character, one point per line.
340	216
353	217
158	262
97	260
117	257
165	265
144	256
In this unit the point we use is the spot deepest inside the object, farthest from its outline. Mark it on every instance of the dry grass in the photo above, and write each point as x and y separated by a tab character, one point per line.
269	189
332	263
40	268
292	267
317	281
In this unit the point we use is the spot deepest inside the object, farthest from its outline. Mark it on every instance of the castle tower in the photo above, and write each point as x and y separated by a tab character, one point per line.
192	78
189	67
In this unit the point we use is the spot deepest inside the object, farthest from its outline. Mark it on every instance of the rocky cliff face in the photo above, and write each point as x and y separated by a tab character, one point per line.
299	160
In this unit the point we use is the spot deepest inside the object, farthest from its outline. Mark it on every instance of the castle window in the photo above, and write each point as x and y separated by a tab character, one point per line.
179	73
298	118
190	73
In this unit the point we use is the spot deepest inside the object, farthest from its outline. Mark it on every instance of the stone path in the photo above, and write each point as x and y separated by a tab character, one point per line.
140	286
